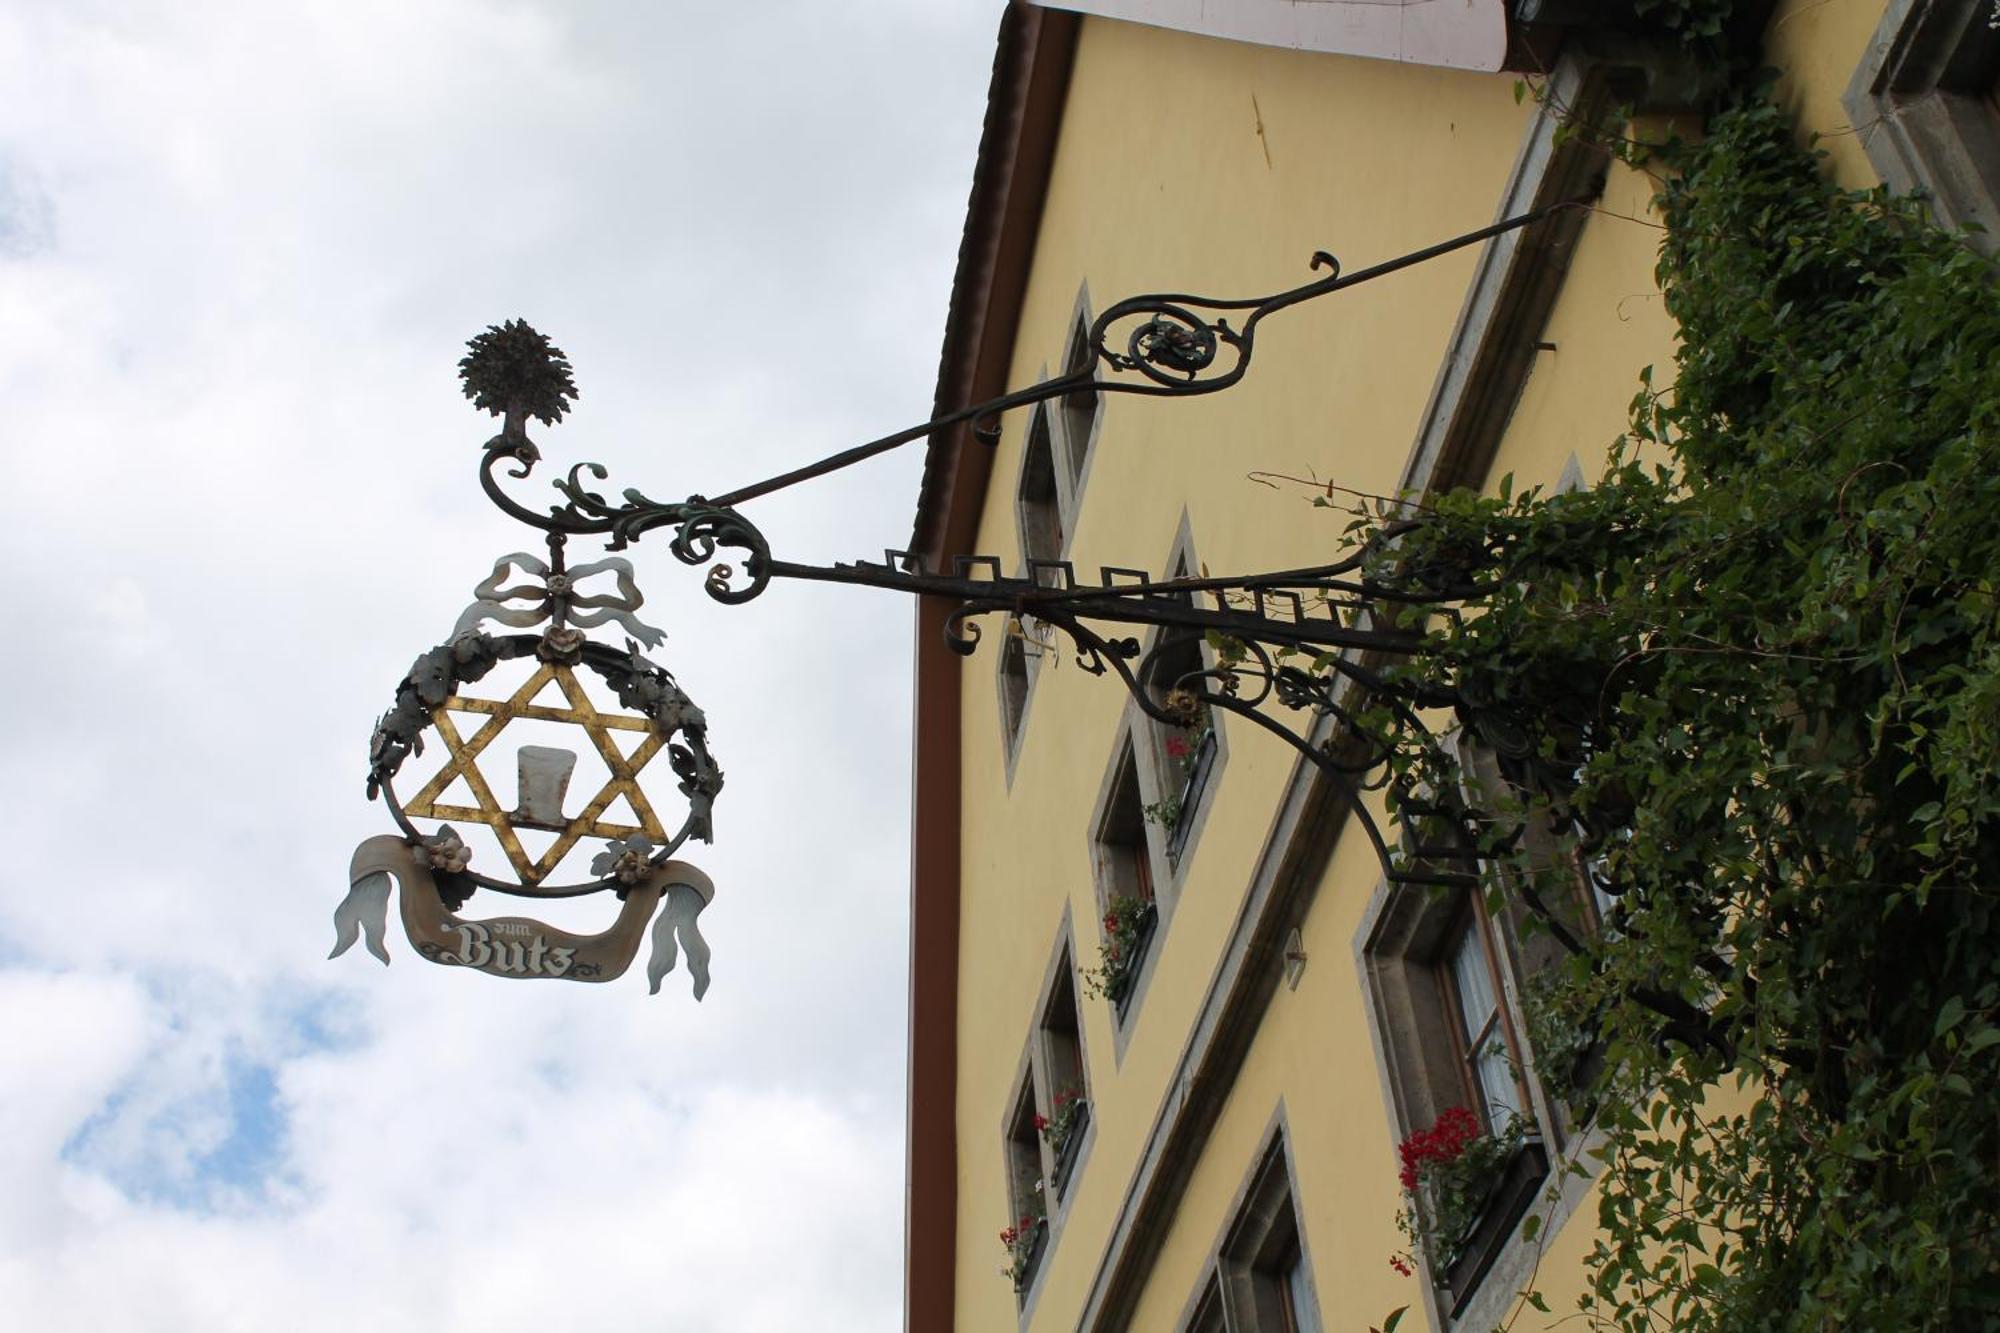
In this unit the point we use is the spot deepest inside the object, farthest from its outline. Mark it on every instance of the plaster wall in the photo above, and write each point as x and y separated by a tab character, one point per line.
1819	44
1192	165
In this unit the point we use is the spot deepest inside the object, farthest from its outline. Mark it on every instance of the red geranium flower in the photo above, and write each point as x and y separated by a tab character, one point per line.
1445	1141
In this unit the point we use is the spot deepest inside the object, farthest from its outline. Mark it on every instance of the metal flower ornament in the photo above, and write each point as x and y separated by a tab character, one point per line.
516	373
1161	345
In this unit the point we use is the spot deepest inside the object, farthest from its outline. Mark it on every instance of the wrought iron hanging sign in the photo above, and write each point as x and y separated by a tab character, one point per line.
1163	345
514	372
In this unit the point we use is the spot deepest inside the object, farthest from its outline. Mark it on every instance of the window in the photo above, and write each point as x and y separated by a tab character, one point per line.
1436	969
1185	753
1047	1131
1923	103
1262	1280
1014	681
1486	1046
1577	894
1038	498
1297	1311
1122	854
1060	436
1027	1230
1080	410
1041	517
1124	858
1064	1093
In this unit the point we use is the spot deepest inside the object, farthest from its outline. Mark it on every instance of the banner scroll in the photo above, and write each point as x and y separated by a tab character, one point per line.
521	947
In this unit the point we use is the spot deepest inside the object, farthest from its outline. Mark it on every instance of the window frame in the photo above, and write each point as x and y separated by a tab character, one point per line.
1478	925
1045	513
1034	1088
1123	793
1080	429
1175	779
1404	948
1923	102
1403	937
1054	1073
1526	950
1016	671
1020	1154
1261	1260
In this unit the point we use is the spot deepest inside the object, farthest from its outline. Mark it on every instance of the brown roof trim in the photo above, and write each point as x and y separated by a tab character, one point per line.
1023	112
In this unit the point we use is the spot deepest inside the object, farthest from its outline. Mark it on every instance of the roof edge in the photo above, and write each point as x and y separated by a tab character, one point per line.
1010	179
1009	182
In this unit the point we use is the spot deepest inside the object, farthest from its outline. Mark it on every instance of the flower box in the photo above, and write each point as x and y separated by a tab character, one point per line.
1024	1251
1072	1144
1196	765
1512	1191
1133	957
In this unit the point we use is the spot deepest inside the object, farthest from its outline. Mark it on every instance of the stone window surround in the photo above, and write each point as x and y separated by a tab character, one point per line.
1204	1313
1069	458
1153	753
1031	1072
1410	1024
1067	477
1077	453
1141	734
1019	644
1040	431
1126	755
1235	1290
1069	462
1398	951
1923	103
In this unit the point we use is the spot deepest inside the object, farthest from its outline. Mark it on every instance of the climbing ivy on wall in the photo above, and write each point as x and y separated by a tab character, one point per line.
1753	677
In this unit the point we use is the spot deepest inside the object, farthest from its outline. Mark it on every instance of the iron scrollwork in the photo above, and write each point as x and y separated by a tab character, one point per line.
1172	346
1167	342
1300	654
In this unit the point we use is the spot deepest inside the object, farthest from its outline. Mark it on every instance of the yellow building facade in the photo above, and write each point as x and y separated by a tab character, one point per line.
1226	1120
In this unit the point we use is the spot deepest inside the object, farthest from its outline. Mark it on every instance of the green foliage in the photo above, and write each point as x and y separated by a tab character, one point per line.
1445	1192
1693	21
1127	921
1755	674
1166	812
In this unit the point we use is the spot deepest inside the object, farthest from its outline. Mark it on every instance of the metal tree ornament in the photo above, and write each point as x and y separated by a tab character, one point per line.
1287	650
516	373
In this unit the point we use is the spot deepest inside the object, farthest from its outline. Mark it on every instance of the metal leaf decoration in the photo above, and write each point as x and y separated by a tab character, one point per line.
513	369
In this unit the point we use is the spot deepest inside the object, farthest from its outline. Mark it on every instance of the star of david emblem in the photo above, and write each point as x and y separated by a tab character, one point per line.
544	772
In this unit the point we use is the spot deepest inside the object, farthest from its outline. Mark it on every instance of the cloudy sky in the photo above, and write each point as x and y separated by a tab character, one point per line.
241	242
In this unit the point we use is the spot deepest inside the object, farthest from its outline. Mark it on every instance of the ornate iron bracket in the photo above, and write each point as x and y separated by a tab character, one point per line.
1286	649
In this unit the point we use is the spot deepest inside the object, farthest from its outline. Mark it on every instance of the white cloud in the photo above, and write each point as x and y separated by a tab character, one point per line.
240	244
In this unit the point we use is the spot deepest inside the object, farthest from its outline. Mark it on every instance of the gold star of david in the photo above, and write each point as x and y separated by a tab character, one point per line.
598	726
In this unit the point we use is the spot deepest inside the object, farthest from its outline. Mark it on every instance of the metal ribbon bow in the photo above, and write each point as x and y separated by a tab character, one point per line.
556	596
